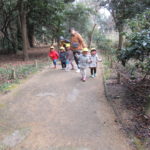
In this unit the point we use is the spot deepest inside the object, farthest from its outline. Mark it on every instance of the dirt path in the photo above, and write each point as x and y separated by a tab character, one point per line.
55	111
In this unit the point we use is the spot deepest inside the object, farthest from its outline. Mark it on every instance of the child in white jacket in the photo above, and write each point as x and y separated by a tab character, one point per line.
94	59
83	63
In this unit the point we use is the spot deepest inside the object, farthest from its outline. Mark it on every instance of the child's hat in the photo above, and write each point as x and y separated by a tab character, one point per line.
67	45
52	47
85	50
67	41
93	49
62	48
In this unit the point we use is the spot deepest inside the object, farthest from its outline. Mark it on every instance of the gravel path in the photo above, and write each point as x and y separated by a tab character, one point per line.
54	110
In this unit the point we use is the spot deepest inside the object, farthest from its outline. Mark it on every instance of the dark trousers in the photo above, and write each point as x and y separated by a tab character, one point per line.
76	52
63	64
93	71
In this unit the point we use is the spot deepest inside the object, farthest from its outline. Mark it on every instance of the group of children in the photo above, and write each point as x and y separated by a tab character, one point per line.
66	57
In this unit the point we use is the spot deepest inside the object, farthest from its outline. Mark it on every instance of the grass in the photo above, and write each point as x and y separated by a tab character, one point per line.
107	70
8	86
4	86
22	71
138	144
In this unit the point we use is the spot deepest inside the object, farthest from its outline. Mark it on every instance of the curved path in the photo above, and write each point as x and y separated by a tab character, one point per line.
54	110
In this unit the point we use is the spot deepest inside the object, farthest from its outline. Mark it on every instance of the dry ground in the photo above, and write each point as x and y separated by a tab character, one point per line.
54	110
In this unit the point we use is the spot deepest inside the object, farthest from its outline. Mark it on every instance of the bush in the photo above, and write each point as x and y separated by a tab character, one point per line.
138	49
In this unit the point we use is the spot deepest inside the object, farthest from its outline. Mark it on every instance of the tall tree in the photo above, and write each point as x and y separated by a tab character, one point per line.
23	10
21	20
122	10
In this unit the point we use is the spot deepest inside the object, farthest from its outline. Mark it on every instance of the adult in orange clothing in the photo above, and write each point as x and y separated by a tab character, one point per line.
77	45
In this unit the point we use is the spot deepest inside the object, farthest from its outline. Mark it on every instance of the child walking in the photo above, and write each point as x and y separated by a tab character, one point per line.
53	54
70	58
63	57
94	59
83	63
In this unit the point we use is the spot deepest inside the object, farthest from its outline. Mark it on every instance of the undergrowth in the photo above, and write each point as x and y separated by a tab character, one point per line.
21	72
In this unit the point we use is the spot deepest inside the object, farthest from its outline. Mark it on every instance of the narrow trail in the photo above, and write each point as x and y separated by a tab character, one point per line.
55	111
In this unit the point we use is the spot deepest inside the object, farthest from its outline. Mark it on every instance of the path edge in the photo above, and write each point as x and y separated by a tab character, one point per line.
130	137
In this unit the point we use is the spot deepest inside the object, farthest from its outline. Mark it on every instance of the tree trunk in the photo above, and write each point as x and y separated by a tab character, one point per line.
12	29
31	34
118	78
120	44
24	34
91	35
52	40
32	40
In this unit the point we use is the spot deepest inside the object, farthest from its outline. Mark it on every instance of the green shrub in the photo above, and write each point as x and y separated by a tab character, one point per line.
138	49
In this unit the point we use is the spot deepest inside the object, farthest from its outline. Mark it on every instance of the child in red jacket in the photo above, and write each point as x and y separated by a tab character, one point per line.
53	54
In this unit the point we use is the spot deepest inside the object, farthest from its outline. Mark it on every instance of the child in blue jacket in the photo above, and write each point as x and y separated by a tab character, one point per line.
63	57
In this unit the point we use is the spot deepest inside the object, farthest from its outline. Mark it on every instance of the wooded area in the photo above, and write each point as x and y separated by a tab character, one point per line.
119	28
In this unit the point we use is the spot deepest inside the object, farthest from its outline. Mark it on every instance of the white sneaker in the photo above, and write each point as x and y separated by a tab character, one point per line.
92	76
67	70
78	70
